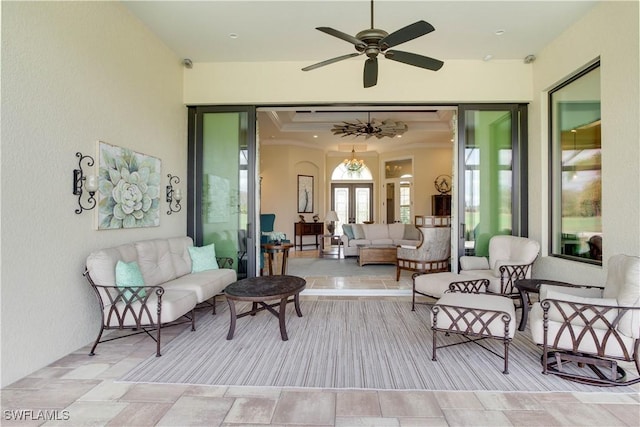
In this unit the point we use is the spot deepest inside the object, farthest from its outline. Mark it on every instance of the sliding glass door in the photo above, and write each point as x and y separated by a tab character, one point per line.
221	204
492	175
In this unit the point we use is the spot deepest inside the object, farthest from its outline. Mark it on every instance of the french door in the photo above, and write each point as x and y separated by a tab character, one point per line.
352	202
491	174
221	205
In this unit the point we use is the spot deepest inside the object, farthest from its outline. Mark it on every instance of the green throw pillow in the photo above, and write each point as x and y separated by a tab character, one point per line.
358	231
203	258
348	230
128	274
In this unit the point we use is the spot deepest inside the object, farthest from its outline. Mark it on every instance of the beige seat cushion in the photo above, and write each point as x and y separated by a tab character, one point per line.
435	284
495	303
175	304
204	284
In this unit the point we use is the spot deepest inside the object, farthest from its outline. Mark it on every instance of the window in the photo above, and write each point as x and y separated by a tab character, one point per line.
405	202
341	173
576	179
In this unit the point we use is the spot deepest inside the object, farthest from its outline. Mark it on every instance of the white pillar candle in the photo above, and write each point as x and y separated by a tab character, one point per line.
91	184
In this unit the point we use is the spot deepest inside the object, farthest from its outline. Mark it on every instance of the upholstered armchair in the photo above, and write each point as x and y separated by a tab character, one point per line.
589	327
267	223
510	258
432	254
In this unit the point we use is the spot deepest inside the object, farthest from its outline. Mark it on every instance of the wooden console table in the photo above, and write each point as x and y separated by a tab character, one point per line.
308	229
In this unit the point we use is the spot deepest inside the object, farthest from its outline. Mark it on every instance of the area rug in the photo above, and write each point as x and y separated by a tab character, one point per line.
345	344
328	267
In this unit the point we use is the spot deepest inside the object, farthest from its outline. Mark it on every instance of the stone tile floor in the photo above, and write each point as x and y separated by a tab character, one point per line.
79	390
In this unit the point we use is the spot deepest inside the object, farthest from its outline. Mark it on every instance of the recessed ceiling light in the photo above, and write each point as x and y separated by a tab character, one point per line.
487	57
500	32
315	136
399	136
233	35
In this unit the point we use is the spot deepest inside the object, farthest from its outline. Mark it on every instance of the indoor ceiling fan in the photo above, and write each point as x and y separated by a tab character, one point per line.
374	41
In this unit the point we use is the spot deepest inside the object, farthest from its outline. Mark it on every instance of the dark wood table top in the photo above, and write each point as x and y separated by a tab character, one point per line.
276	247
533	285
265	287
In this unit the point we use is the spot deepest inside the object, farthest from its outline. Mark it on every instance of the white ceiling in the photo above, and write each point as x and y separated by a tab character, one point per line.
285	31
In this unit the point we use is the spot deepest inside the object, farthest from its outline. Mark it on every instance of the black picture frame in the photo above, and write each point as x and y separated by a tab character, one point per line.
305	194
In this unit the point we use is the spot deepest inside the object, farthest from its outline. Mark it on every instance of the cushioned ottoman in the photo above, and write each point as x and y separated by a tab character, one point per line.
477	315
434	285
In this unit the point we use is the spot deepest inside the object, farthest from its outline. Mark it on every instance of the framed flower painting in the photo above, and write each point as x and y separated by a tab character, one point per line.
128	188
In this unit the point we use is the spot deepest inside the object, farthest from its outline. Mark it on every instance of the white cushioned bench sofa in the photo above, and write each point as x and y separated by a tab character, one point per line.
377	234
175	276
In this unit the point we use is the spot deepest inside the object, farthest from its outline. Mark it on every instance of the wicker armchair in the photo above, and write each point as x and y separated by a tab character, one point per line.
582	331
432	254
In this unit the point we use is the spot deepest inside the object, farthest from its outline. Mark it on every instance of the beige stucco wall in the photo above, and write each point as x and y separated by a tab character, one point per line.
610	31
278	82
72	73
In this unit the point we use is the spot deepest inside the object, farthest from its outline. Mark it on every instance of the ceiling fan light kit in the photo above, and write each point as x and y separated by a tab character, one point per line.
373	42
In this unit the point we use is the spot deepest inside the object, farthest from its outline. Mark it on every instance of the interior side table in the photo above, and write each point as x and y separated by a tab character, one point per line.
271	249
331	250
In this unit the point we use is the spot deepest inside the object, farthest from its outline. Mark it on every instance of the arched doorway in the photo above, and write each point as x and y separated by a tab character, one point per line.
351	195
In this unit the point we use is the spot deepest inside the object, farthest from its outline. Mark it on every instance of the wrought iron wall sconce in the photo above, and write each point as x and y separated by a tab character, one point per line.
89	182
173	195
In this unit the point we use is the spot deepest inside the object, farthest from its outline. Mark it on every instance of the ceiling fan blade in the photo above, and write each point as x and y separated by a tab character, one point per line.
344	36
330	61
405	34
414	59
370	76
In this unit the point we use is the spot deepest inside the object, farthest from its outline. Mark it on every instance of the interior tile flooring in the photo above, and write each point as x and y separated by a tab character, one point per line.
79	390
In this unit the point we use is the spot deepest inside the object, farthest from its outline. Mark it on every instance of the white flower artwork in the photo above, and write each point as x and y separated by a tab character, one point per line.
129	188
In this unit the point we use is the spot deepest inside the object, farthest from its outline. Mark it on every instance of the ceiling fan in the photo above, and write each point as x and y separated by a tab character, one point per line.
374	41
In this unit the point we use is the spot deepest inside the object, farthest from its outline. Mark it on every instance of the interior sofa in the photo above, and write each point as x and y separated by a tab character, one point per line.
171	289
378	234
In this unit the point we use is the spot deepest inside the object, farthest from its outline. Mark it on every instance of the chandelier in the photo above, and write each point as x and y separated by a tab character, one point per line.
353	164
370	128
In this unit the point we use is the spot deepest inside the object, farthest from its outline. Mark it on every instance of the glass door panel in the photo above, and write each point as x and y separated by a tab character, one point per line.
340	202
489	199
352	202
363	203
221	163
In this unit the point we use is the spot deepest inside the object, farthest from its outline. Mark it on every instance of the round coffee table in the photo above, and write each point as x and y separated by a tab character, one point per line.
261	289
